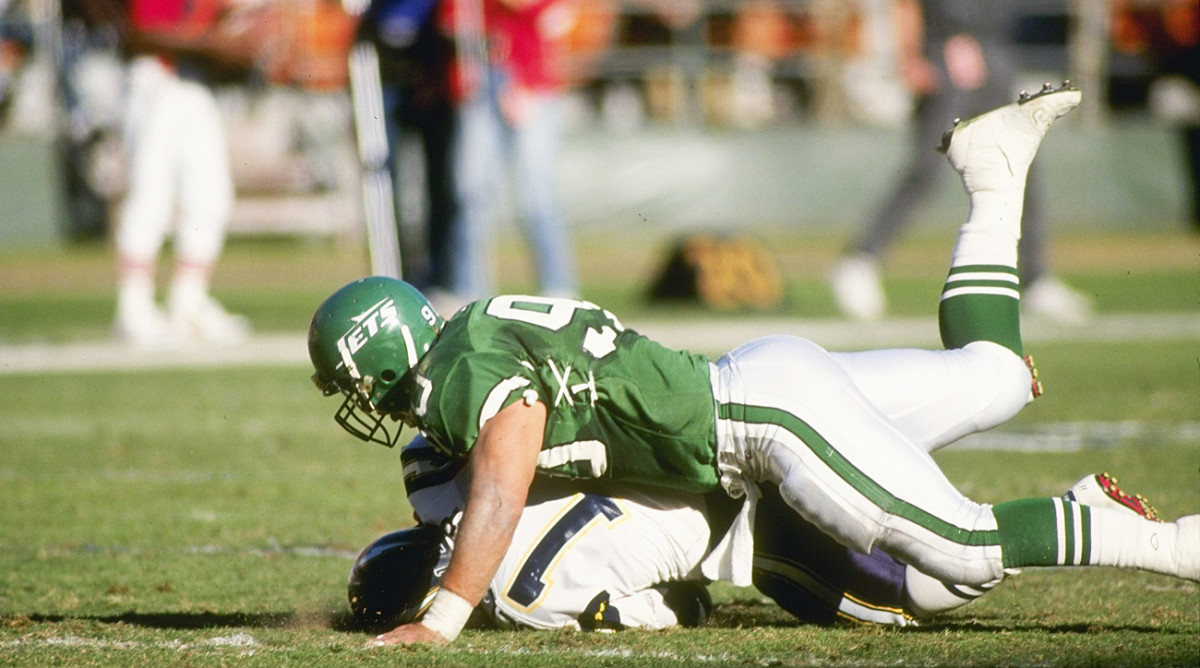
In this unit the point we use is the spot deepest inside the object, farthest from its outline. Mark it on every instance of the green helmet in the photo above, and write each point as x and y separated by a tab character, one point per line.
363	339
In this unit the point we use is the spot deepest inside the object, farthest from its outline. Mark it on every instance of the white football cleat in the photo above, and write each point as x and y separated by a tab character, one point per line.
1101	491
142	327
993	151
207	321
1050	298
857	289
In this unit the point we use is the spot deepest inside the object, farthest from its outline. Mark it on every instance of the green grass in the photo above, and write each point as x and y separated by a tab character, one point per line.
209	517
69	294
1151	382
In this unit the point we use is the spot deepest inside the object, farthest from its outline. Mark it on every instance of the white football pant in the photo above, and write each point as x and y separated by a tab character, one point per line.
179	163
847	438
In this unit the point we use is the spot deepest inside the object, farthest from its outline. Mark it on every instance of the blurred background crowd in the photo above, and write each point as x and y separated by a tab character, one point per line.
468	84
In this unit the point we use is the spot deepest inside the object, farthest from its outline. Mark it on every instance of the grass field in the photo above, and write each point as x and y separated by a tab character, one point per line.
208	517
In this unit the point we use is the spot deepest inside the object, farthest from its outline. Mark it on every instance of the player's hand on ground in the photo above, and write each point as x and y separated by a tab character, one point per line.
409	634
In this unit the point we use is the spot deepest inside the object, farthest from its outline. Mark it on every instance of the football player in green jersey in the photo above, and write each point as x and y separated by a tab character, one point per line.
519	386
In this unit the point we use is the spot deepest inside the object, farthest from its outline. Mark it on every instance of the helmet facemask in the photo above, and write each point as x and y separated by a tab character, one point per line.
357	416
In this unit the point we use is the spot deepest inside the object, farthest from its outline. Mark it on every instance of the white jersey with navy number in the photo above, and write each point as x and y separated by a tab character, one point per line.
571	547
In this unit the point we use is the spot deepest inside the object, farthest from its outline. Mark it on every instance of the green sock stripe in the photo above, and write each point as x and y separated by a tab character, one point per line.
982	279
1066	536
981	302
1085	524
1075	533
851	474
1029	532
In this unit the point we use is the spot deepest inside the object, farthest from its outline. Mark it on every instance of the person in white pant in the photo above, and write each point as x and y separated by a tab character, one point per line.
619	558
178	173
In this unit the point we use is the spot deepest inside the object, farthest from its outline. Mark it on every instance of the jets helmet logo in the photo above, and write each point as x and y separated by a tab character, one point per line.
366	326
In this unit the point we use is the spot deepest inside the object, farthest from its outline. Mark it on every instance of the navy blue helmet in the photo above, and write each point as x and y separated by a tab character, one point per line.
394	579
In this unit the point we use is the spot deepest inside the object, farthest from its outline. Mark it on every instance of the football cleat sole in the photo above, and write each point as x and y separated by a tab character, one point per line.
1036	389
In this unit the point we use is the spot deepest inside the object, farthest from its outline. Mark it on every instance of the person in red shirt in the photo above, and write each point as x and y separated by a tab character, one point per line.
509	83
178	161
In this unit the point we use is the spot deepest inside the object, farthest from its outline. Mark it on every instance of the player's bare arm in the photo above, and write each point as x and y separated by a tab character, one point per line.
502	467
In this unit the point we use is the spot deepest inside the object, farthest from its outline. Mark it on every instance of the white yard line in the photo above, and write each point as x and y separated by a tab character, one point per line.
111	355
1075	436
701	336
243	644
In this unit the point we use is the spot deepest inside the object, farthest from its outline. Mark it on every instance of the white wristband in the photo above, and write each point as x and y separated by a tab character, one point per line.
447	615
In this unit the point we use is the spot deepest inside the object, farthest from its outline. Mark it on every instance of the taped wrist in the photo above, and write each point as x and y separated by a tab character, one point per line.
447	615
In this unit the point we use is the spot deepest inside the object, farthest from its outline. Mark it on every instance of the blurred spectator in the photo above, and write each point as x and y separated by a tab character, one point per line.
510	122
958	58
874	94
1168	31
16	39
761	36
311	53
178	164
309	69
414	63
28	102
92	80
849	56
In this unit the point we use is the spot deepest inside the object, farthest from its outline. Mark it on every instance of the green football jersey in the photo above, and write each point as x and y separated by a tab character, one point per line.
621	407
